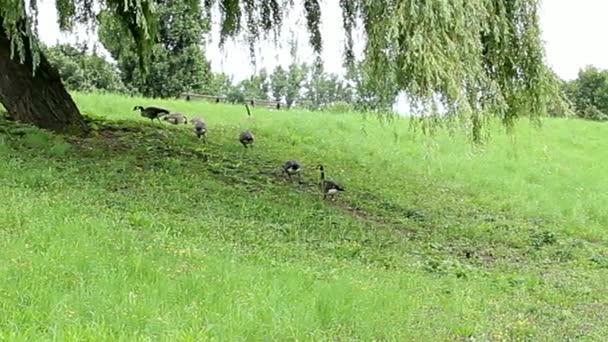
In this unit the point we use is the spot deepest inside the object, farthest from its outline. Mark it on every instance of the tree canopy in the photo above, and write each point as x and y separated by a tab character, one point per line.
82	70
178	59
589	93
466	56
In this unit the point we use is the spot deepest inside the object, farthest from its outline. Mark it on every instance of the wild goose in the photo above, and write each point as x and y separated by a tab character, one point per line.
292	167
151	112
246	138
249	111
196	119
200	129
176	118
329	188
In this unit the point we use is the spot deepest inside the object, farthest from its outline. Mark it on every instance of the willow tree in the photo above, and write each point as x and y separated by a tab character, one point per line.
477	57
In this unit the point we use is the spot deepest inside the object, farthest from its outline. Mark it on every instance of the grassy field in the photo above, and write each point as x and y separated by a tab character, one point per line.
141	232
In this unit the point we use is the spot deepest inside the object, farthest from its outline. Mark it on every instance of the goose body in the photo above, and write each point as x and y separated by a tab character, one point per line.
151	112
196	119
292	167
328	187
200	129
176	118
246	138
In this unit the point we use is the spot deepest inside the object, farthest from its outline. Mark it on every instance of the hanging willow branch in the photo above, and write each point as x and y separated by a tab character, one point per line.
467	56
136	16
472	57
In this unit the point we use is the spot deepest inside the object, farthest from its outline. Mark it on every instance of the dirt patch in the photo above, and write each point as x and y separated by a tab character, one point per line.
364	215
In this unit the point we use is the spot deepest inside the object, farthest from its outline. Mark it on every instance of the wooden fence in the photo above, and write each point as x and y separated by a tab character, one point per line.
220	99
264	103
200	97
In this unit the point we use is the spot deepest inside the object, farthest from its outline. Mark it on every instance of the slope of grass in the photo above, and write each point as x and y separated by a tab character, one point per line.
142	232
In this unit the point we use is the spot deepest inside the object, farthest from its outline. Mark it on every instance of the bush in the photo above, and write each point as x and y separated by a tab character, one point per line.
592	113
589	94
83	71
339	107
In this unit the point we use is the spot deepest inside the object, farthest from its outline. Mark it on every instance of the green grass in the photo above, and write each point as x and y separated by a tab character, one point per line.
141	232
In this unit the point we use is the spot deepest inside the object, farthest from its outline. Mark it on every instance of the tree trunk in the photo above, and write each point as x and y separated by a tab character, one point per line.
39	99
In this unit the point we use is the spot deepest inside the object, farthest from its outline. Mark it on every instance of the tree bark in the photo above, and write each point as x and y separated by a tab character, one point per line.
36	98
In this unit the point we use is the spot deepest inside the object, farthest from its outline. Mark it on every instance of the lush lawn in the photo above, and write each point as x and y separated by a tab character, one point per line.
141	232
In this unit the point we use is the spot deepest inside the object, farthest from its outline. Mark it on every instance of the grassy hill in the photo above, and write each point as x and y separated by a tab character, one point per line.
141	232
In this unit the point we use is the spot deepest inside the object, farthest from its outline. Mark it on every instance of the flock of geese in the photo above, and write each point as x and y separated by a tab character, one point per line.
246	138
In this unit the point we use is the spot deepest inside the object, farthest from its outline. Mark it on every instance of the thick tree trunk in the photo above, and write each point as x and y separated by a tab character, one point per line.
39	99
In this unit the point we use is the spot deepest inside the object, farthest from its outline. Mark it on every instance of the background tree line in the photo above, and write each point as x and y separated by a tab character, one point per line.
588	93
178	64
302	85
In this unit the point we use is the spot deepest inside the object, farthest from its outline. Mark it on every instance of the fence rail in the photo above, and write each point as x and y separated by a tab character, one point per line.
220	98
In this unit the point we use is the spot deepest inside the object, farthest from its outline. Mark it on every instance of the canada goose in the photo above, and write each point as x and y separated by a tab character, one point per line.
151	112
248	111
200	129
176	118
291	167
328	187
196	119
246	138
